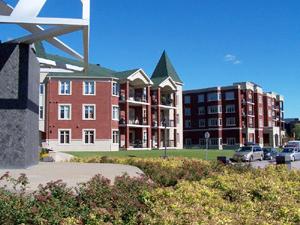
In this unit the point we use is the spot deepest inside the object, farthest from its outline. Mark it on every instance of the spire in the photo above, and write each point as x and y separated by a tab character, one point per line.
165	69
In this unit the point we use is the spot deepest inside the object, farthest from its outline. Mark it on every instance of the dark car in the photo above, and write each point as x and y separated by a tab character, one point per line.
270	153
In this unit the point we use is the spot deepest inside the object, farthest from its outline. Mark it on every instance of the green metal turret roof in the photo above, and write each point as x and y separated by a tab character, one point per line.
165	69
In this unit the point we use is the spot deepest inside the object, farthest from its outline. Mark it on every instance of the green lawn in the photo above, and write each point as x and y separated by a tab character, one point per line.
195	153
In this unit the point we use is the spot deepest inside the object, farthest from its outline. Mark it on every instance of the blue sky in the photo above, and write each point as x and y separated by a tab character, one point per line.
211	42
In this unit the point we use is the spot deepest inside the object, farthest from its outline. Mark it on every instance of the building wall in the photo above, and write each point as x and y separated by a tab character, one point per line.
250	115
103	123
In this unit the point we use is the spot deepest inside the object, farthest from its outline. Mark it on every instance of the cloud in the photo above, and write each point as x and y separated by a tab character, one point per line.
232	59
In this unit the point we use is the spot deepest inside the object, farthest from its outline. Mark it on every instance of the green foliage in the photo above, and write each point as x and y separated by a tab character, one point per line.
297	131
174	191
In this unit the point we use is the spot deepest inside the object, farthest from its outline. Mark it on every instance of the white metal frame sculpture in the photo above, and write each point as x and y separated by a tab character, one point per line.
25	14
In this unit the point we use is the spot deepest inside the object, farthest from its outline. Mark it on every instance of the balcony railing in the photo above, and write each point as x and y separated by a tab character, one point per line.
142	122
167	123
167	101
136	98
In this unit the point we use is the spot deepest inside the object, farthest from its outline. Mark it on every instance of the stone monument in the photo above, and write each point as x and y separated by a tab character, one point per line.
19	77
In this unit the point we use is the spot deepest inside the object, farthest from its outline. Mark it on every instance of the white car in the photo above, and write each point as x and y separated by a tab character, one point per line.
290	153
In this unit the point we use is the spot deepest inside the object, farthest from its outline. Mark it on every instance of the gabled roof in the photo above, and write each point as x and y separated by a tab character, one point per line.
165	69
125	74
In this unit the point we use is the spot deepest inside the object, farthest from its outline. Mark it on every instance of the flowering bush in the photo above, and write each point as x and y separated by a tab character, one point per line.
174	191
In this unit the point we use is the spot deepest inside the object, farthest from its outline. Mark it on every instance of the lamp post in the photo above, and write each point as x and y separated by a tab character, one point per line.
207	136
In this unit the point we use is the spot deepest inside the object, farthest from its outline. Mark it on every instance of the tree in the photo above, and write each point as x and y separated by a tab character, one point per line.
296	131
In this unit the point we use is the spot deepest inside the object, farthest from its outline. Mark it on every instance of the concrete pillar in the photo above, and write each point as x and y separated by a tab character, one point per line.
19	106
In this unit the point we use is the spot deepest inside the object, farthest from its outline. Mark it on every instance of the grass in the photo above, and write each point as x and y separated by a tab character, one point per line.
188	153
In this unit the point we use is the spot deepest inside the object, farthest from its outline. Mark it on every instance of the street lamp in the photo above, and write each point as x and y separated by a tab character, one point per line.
207	136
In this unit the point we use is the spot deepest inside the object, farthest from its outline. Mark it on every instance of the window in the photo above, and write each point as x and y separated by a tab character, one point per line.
220	122
201	98
64	112
115	136
145	137
214	122
187	99
65	87
260	111
260	99
251	122
89	136
89	112
270	123
89	88
250	109
41	113
187	111
201	110
230	121
261	123
269	113
202	142
229	95
115	89
202	123
64	136
187	124
215	96
214	141
215	109
188	141
231	141
42	89
269	102
230	108
115	113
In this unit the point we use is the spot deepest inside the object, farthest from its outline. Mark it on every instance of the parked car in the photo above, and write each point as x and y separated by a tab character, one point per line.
290	153
249	153
270	153
294	144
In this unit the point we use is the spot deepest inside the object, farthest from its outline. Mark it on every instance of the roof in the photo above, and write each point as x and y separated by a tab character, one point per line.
124	74
93	70
165	69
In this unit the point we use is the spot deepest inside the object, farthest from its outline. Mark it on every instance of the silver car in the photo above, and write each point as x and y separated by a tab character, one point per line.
249	153
290	154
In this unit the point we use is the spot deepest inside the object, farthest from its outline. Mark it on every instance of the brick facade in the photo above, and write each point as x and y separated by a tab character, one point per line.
233	115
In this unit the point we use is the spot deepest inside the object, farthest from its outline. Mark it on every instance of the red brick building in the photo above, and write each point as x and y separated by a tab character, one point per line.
105	110
233	115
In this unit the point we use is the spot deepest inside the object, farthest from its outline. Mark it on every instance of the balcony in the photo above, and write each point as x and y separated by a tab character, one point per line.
138	144
163	124
134	122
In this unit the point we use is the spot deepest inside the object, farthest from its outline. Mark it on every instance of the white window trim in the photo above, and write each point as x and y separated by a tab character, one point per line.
83	111
112	112
112	136
83	136
64	104
83	88
112	89
218	109
59	87
59	140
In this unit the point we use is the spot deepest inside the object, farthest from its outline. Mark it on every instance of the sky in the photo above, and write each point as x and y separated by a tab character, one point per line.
210	42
